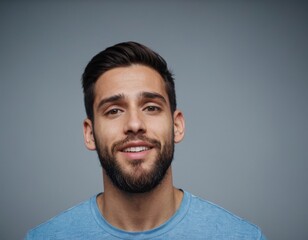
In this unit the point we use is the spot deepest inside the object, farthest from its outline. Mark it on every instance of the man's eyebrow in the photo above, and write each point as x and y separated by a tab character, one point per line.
110	99
152	95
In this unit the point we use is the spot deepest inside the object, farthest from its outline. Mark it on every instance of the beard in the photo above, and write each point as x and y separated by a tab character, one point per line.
138	180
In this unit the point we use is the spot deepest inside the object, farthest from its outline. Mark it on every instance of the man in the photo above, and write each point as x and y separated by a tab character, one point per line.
133	122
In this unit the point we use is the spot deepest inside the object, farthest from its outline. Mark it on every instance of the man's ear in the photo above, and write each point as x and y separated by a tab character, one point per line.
179	126
88	134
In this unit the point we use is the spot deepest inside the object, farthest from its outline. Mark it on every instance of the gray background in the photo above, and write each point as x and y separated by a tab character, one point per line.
241	79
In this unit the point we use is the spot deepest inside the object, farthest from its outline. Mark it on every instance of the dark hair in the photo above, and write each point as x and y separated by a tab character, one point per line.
121	55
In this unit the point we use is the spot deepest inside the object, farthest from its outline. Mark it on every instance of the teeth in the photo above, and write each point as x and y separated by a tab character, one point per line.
135	149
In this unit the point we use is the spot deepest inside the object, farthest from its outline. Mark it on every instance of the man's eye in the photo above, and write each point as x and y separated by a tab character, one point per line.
152	108
113	111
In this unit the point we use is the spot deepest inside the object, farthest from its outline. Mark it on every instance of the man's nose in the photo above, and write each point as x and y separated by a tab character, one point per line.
134	122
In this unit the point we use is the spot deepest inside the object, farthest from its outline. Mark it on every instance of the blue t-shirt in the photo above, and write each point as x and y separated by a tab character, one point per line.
195	219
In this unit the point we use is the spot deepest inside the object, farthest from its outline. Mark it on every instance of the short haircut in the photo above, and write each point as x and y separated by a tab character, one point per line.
123	55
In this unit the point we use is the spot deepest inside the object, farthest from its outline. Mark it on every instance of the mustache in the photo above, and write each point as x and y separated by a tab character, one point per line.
118	145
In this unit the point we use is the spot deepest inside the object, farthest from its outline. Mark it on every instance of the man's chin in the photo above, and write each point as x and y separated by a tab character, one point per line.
137	180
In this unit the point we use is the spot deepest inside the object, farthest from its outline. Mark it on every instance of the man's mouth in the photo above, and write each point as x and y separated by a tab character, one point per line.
136	149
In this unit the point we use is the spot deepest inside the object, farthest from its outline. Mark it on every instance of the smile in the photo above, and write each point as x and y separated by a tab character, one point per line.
136	149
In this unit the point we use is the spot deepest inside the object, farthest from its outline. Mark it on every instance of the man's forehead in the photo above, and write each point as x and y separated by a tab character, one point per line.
129	80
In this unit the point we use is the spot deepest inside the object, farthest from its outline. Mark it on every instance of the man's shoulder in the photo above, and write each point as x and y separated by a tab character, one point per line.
208	209
203	213
69	220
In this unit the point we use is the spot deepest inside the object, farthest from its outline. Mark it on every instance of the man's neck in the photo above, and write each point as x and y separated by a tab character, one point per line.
142	211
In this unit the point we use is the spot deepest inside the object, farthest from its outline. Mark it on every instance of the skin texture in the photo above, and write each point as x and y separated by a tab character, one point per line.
131	109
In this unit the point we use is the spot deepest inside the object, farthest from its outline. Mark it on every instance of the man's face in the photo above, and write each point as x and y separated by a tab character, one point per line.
133	129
